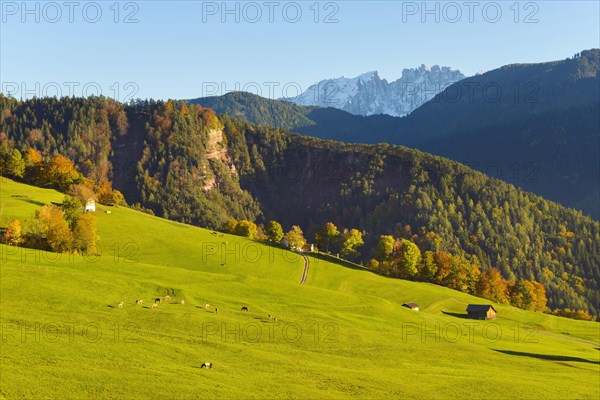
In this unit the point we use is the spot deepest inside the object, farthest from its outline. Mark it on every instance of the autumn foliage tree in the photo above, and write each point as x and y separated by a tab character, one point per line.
385	247
407	258
61	173
33	166
83	192
351	241
63	229
327	236
246	228
13	235
242	228
492	286
84	234
104	191
295	238
55	229
529	295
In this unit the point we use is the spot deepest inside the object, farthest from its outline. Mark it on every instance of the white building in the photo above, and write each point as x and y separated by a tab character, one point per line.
90	206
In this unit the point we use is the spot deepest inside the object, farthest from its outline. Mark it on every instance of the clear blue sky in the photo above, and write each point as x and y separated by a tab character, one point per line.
185	49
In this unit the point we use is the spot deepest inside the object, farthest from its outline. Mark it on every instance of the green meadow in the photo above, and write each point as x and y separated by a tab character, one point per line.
343	334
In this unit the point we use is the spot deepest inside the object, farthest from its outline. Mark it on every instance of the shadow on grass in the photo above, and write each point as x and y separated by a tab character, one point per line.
457	315
549	357
336	260
37	203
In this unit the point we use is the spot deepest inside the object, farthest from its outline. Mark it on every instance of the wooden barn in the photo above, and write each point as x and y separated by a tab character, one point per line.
412	306
481	311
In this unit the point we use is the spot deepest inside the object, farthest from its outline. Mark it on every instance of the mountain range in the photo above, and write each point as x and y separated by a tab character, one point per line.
533	125
368	94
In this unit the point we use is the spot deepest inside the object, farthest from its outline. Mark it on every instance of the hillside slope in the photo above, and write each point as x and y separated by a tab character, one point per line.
343	334
185	164
532	125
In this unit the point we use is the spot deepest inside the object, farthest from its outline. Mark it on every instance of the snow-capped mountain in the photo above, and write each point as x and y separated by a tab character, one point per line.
368	94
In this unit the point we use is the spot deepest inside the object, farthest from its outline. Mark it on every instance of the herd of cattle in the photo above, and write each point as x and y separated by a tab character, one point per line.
158	300
207	306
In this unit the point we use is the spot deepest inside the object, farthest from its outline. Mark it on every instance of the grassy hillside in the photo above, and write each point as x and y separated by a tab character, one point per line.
187	165
344	334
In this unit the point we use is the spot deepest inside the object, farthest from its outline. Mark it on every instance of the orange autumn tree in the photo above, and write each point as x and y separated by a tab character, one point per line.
55	229
13	235
492	286
528	295
61	172
104	191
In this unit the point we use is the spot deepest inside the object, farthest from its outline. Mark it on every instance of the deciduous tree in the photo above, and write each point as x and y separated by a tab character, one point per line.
12	235
327	236
84	234
351	241
408	258
55	229
295	238
274	232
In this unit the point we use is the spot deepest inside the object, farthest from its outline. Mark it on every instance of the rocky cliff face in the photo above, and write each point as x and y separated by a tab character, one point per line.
216	149
368	94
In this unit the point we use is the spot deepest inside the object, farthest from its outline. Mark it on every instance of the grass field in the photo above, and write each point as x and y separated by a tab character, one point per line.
343	334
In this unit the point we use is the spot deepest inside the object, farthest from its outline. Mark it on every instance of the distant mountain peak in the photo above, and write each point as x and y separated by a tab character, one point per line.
368	94
367	76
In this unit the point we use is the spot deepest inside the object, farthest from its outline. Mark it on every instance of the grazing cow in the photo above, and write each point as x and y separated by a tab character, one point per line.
275	319
167	298
270	317
140	301
182	301
154	305
121	305
244	308
207	306
157	300
206	365
216	310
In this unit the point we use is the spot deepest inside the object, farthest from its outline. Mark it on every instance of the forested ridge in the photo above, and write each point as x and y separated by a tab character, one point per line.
533	125
194	167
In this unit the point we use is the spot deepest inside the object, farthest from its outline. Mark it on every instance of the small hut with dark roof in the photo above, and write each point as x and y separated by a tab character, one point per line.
412	306
481	311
